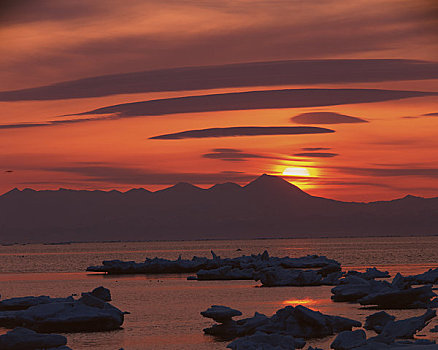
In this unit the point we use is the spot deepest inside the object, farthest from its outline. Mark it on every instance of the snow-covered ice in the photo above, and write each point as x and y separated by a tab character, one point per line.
399	294
349	339
299	322
377	321
263	341
26	339
88	313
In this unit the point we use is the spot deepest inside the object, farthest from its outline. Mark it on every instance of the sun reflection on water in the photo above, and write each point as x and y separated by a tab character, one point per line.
305	302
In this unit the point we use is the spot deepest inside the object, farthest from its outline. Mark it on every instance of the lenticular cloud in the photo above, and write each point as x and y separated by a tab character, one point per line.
243	131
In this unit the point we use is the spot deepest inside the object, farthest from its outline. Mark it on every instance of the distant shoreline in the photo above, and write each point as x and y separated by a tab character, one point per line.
214	239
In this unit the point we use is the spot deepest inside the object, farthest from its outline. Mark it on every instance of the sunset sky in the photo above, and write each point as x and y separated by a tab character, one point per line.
340	96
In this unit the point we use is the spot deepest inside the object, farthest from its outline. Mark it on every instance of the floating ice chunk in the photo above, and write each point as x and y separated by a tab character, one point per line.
330	269
428	277
349	339
264	341
89	313
215	257
419	297
377	321
299	322
245	263
408	327
400	282
226	273
220	314
101	293
153	266
392	331
373	273
370	273
306	323
332	279
308	261
232	329
23	303
277	276
383	295
352	288
26	339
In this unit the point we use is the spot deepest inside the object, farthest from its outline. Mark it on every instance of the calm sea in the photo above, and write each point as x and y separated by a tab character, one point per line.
165	308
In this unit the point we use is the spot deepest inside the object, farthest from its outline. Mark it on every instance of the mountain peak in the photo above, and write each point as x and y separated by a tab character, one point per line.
227	186
181	187
411	197
14	190
267	182
186	185
139	190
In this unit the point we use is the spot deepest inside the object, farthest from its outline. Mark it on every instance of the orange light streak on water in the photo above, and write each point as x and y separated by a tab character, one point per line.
296	302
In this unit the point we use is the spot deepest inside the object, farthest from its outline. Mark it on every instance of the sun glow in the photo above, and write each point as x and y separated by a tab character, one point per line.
295	302
296	172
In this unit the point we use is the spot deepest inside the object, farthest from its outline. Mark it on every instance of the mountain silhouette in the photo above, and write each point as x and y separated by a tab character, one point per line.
273	184
268	207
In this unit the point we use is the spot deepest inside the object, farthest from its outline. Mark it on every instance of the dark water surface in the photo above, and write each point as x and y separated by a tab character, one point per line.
165	308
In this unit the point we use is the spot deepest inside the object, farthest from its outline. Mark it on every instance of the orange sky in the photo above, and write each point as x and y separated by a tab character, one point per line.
48	42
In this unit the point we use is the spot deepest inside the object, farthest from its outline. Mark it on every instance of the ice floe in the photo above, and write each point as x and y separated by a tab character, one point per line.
298	322
278	276
390	334
26	339
377	321
226	273
91	312
428	277
356	340
349	340
289	327
241	268
26	302
408	327
221	314
384	295
370	273
263	341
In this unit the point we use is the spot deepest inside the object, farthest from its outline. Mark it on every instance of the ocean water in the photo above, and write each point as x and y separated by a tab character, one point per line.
164	309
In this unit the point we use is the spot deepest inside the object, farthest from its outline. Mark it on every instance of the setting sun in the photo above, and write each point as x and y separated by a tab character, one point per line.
296	172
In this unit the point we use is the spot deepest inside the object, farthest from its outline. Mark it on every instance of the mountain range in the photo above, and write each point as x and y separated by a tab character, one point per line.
268	207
